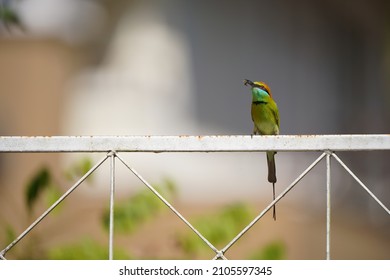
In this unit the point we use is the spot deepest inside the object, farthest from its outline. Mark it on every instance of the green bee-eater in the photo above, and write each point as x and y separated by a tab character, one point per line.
265	116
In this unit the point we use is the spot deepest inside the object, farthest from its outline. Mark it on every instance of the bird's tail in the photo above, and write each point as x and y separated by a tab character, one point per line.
271	167
274	209
272	175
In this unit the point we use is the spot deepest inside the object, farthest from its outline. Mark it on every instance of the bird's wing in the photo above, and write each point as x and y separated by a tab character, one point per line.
275	112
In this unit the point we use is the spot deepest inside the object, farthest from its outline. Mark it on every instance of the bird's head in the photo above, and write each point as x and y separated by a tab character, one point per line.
260	85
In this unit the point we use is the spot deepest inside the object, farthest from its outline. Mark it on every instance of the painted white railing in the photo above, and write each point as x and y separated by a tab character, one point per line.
113	146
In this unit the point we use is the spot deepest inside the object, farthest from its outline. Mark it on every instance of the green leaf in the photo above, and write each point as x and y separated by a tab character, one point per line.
79	168
40	181
170	187
218	228
52	194
85	249
9	18
9	234
136	210
273	251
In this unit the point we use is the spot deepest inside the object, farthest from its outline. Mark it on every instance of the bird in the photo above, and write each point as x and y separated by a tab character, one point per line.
265	117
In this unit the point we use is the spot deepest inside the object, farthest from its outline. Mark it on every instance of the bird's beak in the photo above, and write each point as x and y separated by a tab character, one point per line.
248	82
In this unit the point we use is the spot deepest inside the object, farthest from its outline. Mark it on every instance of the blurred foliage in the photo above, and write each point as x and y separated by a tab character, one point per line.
8	17
218	228
39	182
78	169
42	184
52	194
10	234
134	211
273	251
85	249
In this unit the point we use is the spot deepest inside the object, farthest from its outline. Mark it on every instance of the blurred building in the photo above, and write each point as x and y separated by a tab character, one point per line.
176	67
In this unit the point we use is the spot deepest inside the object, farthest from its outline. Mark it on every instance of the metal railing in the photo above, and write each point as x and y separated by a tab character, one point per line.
115	145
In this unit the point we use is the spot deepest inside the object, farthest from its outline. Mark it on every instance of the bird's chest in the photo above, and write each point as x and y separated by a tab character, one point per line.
264	119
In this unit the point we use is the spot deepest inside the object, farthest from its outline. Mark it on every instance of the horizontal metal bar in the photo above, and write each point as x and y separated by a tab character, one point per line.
211	143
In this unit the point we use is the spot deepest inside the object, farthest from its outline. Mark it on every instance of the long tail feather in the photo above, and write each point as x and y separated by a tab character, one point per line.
271	167
274	209
272	176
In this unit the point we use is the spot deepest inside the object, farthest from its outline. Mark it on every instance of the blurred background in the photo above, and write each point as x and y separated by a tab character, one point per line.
85	67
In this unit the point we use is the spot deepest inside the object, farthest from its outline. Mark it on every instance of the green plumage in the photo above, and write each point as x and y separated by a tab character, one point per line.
265	116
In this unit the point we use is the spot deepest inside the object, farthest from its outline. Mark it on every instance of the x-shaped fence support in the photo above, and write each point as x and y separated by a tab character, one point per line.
219	254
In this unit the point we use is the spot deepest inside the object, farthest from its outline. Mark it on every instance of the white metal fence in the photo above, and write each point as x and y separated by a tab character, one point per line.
113	147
